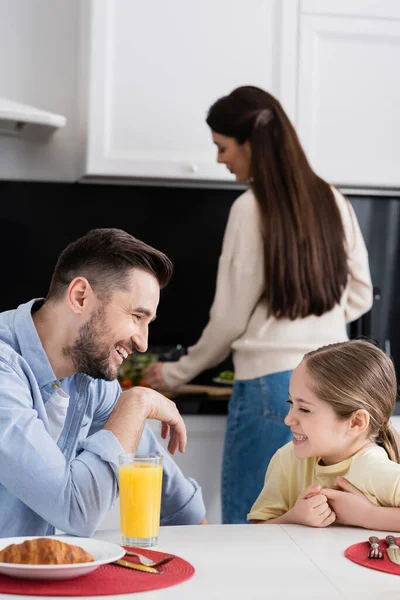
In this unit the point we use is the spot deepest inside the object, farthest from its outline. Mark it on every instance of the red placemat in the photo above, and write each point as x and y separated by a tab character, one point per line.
106	580
358	553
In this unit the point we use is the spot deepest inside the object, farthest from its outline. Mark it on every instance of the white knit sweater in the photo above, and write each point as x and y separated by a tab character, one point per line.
238	320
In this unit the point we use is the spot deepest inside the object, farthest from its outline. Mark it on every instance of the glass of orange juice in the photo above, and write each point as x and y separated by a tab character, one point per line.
140	483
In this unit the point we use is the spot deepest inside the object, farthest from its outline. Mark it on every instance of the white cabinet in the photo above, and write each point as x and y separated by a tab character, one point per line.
38	67
154	69
202	461
348	116
135	80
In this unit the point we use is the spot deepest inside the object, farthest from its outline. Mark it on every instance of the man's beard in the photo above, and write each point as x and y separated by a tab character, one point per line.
90	353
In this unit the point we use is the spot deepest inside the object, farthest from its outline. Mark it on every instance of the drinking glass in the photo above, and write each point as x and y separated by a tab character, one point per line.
140	484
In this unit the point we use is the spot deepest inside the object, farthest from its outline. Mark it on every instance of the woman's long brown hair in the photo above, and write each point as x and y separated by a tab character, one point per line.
306	267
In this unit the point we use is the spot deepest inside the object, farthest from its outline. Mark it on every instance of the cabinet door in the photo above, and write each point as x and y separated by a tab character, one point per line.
349	97
154	70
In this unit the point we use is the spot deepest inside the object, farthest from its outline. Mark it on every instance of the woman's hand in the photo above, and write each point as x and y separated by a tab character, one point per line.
154	377
311	509
349	504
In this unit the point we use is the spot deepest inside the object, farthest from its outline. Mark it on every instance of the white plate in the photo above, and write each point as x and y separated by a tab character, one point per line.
223	381
102	552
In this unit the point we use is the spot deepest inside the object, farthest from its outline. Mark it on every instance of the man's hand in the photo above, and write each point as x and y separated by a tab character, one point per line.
154	377
349	504
136	405
312	509
164	410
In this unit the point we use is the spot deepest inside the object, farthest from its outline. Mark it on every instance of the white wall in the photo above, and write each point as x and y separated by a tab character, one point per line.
396	422
30	74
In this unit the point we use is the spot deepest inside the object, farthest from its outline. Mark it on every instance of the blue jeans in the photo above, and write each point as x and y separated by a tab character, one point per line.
254	432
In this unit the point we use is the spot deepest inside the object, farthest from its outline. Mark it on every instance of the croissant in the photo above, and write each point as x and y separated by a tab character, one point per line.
44	551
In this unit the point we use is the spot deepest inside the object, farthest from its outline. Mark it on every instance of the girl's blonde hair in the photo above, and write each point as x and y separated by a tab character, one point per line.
356	375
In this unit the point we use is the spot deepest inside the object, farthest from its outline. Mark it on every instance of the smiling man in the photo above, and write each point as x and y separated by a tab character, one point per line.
63	418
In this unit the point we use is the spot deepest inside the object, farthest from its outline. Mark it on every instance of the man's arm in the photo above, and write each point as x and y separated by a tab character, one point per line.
72	495
136	405
182	501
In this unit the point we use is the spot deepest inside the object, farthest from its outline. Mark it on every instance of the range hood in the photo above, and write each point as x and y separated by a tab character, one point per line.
15	118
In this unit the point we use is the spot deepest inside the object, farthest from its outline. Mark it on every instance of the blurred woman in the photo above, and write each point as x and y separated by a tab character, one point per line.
292	272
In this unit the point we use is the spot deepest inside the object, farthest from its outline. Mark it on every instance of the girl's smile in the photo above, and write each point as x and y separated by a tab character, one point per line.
299	439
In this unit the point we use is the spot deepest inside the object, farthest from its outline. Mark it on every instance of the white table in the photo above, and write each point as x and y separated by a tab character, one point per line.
250	562
269	562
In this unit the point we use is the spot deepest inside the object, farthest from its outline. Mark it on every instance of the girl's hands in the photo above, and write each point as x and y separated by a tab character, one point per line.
349	504
312	509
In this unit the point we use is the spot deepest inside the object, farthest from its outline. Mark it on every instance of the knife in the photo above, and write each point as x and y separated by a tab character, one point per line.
136	566
393	549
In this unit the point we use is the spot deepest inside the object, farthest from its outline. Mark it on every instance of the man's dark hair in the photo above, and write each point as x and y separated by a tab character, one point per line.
105	257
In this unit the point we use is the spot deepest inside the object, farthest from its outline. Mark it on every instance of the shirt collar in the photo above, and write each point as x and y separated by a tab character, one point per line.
31	348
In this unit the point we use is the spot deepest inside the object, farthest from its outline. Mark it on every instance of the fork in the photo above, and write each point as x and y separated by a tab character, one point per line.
148	562
374	552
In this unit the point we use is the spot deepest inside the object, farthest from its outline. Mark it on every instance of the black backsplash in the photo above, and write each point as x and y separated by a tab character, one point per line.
37	220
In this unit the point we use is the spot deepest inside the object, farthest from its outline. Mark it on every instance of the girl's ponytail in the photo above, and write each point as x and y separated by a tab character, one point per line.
389	439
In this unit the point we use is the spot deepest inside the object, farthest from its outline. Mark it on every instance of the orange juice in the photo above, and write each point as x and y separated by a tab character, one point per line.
140	500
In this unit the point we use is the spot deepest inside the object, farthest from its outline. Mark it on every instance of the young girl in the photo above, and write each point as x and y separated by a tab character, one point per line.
341	400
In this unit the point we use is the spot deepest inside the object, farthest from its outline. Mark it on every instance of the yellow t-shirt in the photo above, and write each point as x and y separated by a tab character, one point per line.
369	470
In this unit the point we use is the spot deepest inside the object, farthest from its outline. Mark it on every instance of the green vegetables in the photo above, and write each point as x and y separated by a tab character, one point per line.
132	369
227	375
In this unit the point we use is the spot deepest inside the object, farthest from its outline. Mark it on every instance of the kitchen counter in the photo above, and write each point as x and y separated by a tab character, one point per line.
201	406
193	399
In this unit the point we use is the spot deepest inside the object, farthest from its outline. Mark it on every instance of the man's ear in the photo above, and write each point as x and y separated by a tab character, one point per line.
80	295
359	422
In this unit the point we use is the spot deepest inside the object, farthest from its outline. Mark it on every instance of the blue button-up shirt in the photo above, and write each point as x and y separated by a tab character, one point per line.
69	485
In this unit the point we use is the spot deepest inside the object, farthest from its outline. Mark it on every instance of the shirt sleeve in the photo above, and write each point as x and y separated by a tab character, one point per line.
359	297
239	287
73	496
106	394
377	477
273	500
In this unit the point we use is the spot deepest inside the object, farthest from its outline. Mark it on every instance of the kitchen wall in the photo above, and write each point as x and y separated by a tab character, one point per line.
37	220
